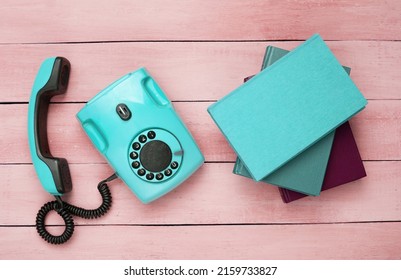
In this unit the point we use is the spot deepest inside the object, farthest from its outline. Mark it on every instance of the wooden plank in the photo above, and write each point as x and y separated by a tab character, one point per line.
333	241
212	196
215	214
186	71
67	138
76	21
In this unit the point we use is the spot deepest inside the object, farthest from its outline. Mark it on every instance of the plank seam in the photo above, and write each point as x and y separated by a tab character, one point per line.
188	41
206	162
212	225
174	101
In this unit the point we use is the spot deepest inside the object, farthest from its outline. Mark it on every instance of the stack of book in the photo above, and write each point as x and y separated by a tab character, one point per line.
289	123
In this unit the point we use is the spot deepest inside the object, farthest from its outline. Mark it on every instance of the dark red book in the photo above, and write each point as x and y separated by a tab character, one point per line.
345	164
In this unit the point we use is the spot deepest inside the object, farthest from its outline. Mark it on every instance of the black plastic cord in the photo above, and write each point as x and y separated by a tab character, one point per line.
66	210
41	228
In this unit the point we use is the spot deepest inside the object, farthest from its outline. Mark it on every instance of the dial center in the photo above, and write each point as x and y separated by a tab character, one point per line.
155	156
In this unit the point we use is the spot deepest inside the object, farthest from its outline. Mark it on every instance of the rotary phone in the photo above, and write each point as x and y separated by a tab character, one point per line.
131	123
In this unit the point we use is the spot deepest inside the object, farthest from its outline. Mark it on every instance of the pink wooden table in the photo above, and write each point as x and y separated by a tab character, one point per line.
198	51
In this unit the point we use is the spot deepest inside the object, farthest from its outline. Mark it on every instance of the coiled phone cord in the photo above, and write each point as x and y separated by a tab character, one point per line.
66	211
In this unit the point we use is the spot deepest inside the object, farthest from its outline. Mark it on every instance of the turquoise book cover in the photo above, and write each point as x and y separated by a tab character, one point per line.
287	107
306	171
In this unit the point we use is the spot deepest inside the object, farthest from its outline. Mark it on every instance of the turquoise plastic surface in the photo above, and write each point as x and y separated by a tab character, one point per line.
151	110
42	170
287	107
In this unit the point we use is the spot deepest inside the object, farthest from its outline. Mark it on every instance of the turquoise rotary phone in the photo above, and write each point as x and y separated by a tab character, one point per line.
131	123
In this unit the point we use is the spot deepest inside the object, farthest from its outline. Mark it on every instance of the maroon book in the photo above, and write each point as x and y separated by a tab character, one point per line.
345	164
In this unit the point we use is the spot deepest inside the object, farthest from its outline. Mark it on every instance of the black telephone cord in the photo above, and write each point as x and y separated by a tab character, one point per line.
66	211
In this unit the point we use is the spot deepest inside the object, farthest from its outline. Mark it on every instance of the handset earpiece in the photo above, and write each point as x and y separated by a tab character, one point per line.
52	79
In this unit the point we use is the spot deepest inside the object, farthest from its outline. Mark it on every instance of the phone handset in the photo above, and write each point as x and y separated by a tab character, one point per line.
53	172
52	80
